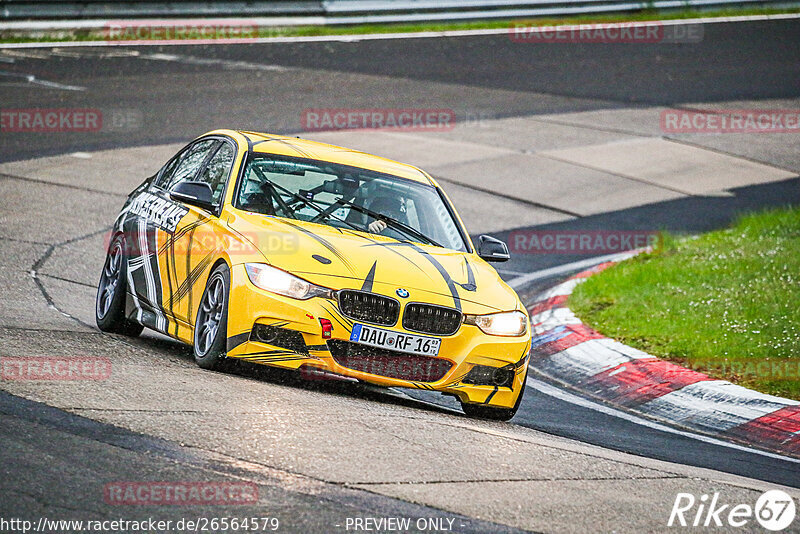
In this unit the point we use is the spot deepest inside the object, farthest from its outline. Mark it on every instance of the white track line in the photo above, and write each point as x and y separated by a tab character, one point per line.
378	36
560	394
567	267
30	78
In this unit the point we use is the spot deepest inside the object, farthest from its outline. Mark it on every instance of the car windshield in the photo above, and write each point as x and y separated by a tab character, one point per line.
348	197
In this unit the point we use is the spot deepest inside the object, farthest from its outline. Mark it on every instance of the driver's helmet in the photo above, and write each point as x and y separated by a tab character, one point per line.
390	207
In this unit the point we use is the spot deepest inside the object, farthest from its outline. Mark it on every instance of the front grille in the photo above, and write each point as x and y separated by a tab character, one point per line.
369	307
431	319
388	363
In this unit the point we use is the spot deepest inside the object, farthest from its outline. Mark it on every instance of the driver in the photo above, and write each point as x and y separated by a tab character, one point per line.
392	207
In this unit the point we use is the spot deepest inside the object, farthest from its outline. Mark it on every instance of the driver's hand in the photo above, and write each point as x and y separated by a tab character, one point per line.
377	227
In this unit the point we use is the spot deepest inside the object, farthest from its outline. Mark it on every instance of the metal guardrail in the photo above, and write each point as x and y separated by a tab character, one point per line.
105	9
341	11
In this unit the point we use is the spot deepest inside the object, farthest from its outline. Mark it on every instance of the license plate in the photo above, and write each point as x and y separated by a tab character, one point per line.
399	341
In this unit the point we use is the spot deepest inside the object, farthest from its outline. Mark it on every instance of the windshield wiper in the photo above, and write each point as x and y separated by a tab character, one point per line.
413	232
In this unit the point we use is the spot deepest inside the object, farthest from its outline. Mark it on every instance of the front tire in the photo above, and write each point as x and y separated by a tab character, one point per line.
110	302
211	327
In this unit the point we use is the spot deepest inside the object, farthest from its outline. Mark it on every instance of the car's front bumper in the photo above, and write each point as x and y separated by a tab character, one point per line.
250	306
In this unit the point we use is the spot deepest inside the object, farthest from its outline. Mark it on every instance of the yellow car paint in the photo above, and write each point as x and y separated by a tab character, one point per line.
355	260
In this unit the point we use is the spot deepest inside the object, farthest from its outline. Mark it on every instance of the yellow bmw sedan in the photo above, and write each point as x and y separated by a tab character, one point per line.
297	254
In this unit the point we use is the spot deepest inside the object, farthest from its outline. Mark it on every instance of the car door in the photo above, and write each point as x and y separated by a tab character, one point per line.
150	225
188	253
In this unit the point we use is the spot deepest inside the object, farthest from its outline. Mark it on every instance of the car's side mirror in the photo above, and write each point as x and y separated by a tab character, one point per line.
195	193
491	249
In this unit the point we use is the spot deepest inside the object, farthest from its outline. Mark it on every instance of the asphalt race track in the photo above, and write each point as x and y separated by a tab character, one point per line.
534	122
265	87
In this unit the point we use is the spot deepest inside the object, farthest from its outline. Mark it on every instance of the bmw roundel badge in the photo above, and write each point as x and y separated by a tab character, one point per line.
402	293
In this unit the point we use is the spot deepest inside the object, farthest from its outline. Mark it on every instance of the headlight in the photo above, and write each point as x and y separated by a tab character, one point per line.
283	283
513	323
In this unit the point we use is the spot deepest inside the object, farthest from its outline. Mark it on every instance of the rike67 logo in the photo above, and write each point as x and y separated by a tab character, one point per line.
774	510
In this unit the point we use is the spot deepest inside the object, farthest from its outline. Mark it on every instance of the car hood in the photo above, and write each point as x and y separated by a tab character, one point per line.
345	259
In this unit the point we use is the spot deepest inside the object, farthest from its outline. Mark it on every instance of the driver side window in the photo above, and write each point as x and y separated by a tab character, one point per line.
216	172
186	166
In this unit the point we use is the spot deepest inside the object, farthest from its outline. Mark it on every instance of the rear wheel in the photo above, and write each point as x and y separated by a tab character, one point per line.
211	327
110	301
480	411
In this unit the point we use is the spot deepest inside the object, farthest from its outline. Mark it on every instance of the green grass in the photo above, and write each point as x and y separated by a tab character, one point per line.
292	31
726	303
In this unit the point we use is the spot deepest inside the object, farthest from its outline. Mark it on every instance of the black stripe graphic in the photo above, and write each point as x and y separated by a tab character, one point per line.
367	286
451	284
188	282
338	317
182	232
324	242
286	143
277	352
470	285
236	340
187	285
169	288
373	243
171	262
